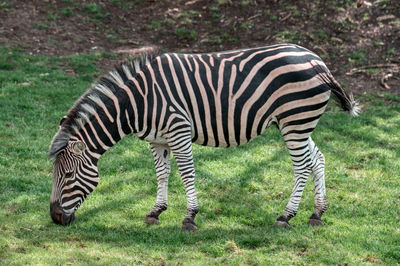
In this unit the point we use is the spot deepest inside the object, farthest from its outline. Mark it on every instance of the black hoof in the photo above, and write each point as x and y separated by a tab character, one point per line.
189	225
315	222
282	224
151	220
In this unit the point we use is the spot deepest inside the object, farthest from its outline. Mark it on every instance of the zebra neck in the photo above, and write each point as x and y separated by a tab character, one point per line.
123	112
108	126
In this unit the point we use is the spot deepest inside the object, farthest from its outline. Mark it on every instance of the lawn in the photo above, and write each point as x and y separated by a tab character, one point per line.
241	190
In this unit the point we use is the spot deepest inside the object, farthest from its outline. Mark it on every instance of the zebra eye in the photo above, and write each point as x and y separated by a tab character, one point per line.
78	147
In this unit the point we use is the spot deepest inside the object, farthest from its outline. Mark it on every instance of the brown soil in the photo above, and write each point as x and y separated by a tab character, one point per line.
360	42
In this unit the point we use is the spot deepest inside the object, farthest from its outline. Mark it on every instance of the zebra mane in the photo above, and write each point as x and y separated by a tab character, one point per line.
86	105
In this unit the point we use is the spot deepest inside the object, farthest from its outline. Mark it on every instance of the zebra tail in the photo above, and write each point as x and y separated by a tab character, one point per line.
346	100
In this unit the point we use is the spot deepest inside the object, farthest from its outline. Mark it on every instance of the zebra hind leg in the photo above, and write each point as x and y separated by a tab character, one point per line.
301	159
181	146
318	173
161	156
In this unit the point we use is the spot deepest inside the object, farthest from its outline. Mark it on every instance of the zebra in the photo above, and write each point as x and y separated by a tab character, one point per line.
219	99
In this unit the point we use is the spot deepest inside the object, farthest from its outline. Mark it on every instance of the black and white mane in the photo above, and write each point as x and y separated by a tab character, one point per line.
85	106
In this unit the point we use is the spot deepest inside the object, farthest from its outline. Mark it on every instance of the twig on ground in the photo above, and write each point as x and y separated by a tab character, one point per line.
364	69
319	48
286	17
338	40
191	2
253	17
384	79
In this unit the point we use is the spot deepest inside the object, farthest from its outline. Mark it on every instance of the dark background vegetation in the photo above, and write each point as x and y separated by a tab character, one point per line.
359	40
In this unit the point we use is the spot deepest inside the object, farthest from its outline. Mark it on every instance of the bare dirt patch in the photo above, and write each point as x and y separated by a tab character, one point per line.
349	35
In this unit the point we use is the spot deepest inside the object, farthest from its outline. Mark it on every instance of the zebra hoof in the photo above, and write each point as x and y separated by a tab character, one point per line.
151	220
189	227
315	222
282	224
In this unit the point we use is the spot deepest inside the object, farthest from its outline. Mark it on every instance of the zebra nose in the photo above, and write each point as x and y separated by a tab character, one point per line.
59	216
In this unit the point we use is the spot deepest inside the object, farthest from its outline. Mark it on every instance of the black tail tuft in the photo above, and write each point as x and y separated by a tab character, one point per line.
346	100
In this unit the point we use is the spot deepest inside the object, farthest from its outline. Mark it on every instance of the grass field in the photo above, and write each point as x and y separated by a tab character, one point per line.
241	190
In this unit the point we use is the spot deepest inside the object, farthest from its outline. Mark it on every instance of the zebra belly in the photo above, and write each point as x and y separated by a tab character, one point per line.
154	136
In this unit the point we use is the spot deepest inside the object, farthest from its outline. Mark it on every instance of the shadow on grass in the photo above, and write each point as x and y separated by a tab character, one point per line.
233	194
135	232
365	129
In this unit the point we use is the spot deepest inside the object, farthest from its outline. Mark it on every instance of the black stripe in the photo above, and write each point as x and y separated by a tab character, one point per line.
302	131
301	121
185	92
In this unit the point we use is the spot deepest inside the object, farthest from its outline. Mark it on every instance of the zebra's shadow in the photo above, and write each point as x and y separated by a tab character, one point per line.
234	191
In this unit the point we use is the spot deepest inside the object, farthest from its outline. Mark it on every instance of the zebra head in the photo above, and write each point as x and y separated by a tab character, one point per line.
74	177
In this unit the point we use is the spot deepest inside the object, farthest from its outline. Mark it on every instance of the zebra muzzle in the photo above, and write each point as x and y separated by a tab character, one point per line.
59	216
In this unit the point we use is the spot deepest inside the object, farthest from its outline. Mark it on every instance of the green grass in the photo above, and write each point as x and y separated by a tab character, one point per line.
241	191
67	11
184	33
96	10
3	4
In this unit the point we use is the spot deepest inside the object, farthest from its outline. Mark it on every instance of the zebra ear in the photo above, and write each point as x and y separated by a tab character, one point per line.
62	120
78	147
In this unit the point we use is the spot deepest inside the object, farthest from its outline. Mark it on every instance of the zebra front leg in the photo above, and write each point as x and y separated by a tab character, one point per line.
161	154
300	155
182	150
318	172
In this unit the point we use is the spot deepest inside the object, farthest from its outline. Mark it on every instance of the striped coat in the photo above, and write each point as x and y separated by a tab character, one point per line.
220	99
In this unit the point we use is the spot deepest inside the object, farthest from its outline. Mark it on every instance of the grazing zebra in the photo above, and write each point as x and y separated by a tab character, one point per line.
222	99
